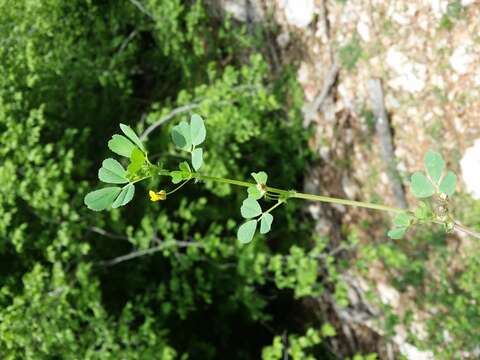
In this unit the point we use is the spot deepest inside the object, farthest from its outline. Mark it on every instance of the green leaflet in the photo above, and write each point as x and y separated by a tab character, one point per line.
181	136
250	208
120	145
127	130
112	172
136	161
402	220
254	193
448	184
197	158
101	199
260	177
198	132
421	186
246	231
125	196
434	164
397	233
266	223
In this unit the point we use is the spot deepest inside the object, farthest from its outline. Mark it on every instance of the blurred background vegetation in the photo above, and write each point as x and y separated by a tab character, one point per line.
71	71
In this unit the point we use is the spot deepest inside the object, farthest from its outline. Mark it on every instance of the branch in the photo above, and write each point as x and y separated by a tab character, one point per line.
149	251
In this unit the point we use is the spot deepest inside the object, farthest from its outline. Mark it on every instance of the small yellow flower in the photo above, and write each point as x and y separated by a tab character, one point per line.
156	196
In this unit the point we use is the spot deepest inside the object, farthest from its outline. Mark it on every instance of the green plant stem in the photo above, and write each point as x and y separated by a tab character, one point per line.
298	195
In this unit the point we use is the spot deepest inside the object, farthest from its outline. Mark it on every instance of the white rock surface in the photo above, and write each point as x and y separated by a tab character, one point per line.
363	29
470	165
411	75
461	59
299	12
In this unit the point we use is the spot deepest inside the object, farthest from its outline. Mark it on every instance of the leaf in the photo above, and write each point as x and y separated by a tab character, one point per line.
101	199
421	186
402	220
177	176
198	132
181	136
448	184
136	161
125	196
183	166
397	233
112	172
254	193
120	145
328	330
434	164
260	177
197	158
266	223
127	130
423	211
250	208
246	231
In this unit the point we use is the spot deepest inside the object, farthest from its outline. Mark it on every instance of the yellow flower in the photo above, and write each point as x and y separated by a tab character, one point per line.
156	196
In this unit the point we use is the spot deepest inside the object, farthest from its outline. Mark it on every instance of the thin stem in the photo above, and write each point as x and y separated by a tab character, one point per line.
178	187
280	202
298	195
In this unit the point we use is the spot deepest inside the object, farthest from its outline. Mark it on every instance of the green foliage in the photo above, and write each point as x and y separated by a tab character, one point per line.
266	223
250	208
246	231
350	53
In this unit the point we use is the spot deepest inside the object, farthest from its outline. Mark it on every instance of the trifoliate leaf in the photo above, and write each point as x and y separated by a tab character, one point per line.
197	158
250	208
136	161
181	136
197	130
127	130
434	164
120	145
254	192
266	223
246	231
448	184
397	233
112	172
260	177
402	220
125	196
421	186
101	199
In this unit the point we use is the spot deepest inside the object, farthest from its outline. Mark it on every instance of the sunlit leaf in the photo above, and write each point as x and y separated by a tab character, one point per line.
421	186
101	199
136	161
448	184
197	158
434	164
246	231
112	172
254	192
125	196
260	177
198	131
266	223
250	208
120	145
127	130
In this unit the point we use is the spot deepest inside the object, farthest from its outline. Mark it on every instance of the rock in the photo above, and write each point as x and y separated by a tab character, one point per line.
283	39
412	76
363	29
299	12
470	165
461	59
243	10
